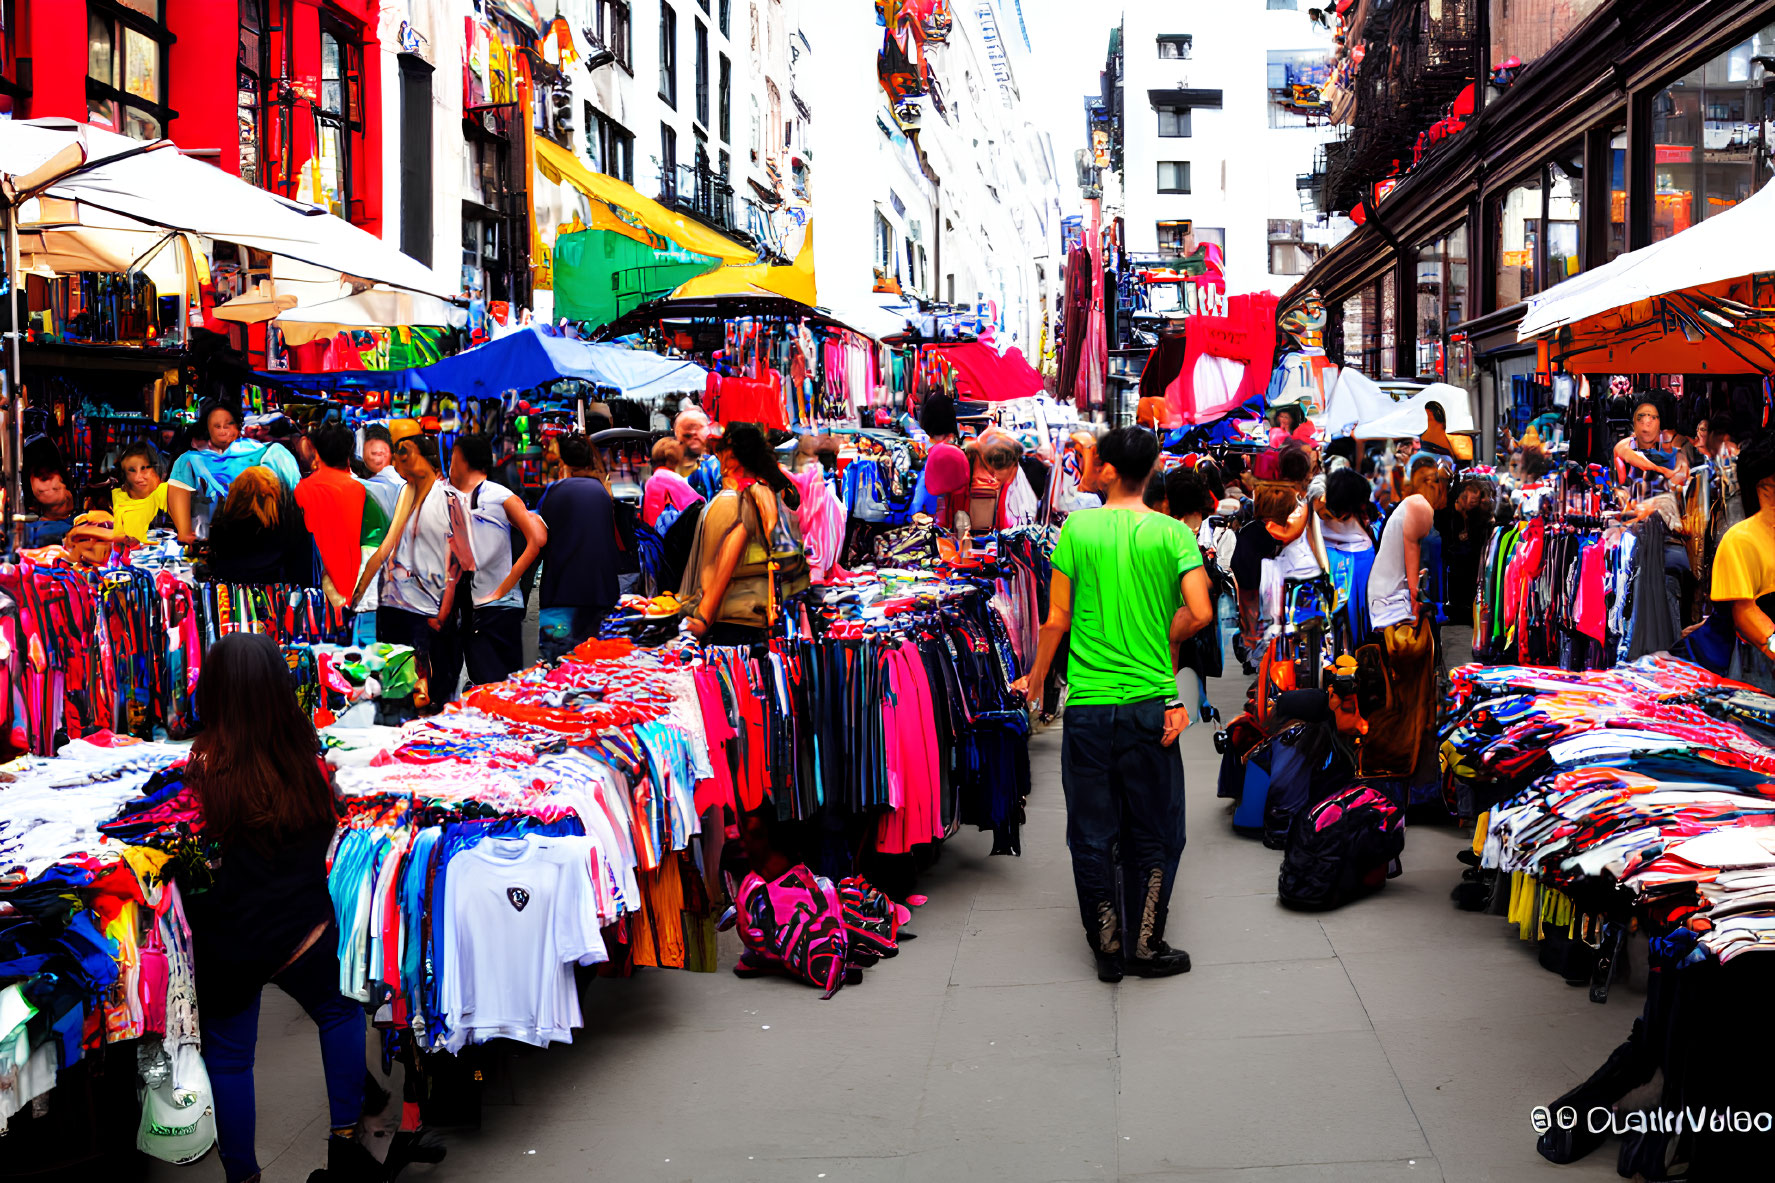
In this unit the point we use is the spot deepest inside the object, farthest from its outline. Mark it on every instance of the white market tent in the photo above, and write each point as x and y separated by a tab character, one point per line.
1729	244
367	309
1360	407
1408	417
118	205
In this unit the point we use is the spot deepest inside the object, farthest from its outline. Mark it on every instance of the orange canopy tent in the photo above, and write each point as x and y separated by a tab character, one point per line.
1701	301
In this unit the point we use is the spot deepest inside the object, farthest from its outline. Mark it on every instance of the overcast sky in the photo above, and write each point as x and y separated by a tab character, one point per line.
1070	40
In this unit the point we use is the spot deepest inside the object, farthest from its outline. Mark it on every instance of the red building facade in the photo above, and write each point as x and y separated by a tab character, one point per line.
284	93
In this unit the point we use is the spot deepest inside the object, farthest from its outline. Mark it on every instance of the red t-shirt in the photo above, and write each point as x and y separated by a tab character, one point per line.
333	503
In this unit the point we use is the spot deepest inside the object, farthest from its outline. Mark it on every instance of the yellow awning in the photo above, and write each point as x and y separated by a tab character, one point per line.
795	281
558	164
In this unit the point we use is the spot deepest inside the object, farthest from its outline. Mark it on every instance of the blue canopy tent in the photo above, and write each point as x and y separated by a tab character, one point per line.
524	360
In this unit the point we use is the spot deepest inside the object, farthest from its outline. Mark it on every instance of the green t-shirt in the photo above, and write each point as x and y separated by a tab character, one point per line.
1126	568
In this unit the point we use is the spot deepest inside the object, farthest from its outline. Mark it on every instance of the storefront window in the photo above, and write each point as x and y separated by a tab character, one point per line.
1565	189
1360	330
1516	217
1711	136
1432	262
332	118
1443	354
1454	300
1535	229
1387	365
1617	244
250	67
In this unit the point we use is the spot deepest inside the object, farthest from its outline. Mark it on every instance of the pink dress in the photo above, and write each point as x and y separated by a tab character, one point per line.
664	488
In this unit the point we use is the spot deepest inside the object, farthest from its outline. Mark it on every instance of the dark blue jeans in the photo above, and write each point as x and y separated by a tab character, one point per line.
561	630
438	650
1124	811
230	1035
492	644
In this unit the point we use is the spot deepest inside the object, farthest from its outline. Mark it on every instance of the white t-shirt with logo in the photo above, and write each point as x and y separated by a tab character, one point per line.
519	912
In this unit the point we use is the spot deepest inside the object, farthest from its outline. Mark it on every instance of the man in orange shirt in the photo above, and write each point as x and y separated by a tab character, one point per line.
341	514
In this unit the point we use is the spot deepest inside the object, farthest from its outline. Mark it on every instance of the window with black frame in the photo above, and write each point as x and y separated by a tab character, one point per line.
702	73
10	90
1714	129
1175	46
250	66
1441	308
1174	176
726	81
611	24
668	162
609	145
337	116
126	52
1535	229
668	56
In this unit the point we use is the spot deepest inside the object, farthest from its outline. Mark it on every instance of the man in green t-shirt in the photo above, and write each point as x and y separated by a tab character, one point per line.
1129	588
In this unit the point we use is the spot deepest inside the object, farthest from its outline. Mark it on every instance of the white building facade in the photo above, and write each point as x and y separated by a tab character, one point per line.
1215	138
947	198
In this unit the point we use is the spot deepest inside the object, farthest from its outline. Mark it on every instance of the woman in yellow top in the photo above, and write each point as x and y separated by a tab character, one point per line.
143	495
1744	568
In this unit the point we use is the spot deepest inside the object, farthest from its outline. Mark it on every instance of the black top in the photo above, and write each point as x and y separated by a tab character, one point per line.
247	552
1255	544
579	565
265	900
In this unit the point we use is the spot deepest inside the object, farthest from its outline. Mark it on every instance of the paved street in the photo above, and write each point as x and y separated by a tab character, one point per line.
1395	1039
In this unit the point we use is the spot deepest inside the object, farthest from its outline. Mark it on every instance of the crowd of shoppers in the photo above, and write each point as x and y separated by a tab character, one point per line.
440	552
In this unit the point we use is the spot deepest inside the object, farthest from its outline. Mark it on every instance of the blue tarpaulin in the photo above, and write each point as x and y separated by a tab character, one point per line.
520	361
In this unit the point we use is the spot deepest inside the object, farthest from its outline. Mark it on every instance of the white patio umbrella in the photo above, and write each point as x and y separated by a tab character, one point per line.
122	186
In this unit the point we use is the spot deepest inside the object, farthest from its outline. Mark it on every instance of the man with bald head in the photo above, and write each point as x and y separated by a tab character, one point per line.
702	470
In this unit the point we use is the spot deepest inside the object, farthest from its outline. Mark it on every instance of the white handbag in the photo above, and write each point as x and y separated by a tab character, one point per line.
178	1108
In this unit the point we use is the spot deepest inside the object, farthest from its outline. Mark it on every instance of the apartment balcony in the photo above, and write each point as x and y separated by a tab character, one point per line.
701	192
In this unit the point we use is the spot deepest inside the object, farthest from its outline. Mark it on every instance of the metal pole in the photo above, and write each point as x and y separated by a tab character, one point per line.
11	412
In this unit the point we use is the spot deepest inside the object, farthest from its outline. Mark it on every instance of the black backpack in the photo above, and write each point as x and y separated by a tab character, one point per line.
1341	849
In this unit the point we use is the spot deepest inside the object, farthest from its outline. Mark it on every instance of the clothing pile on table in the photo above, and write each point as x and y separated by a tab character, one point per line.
1631	792
94	949
548	822
1639	795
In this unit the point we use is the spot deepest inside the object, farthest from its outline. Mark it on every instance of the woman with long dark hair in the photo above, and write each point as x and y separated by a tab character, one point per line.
728	606
269	812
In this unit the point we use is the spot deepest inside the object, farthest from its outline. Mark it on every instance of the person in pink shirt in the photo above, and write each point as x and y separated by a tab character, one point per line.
665	488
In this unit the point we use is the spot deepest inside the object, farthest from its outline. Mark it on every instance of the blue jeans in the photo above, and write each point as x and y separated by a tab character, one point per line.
229	1040
1124	813
561	630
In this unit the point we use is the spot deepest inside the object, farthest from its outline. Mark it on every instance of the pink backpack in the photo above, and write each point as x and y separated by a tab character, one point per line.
794	925
872	921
